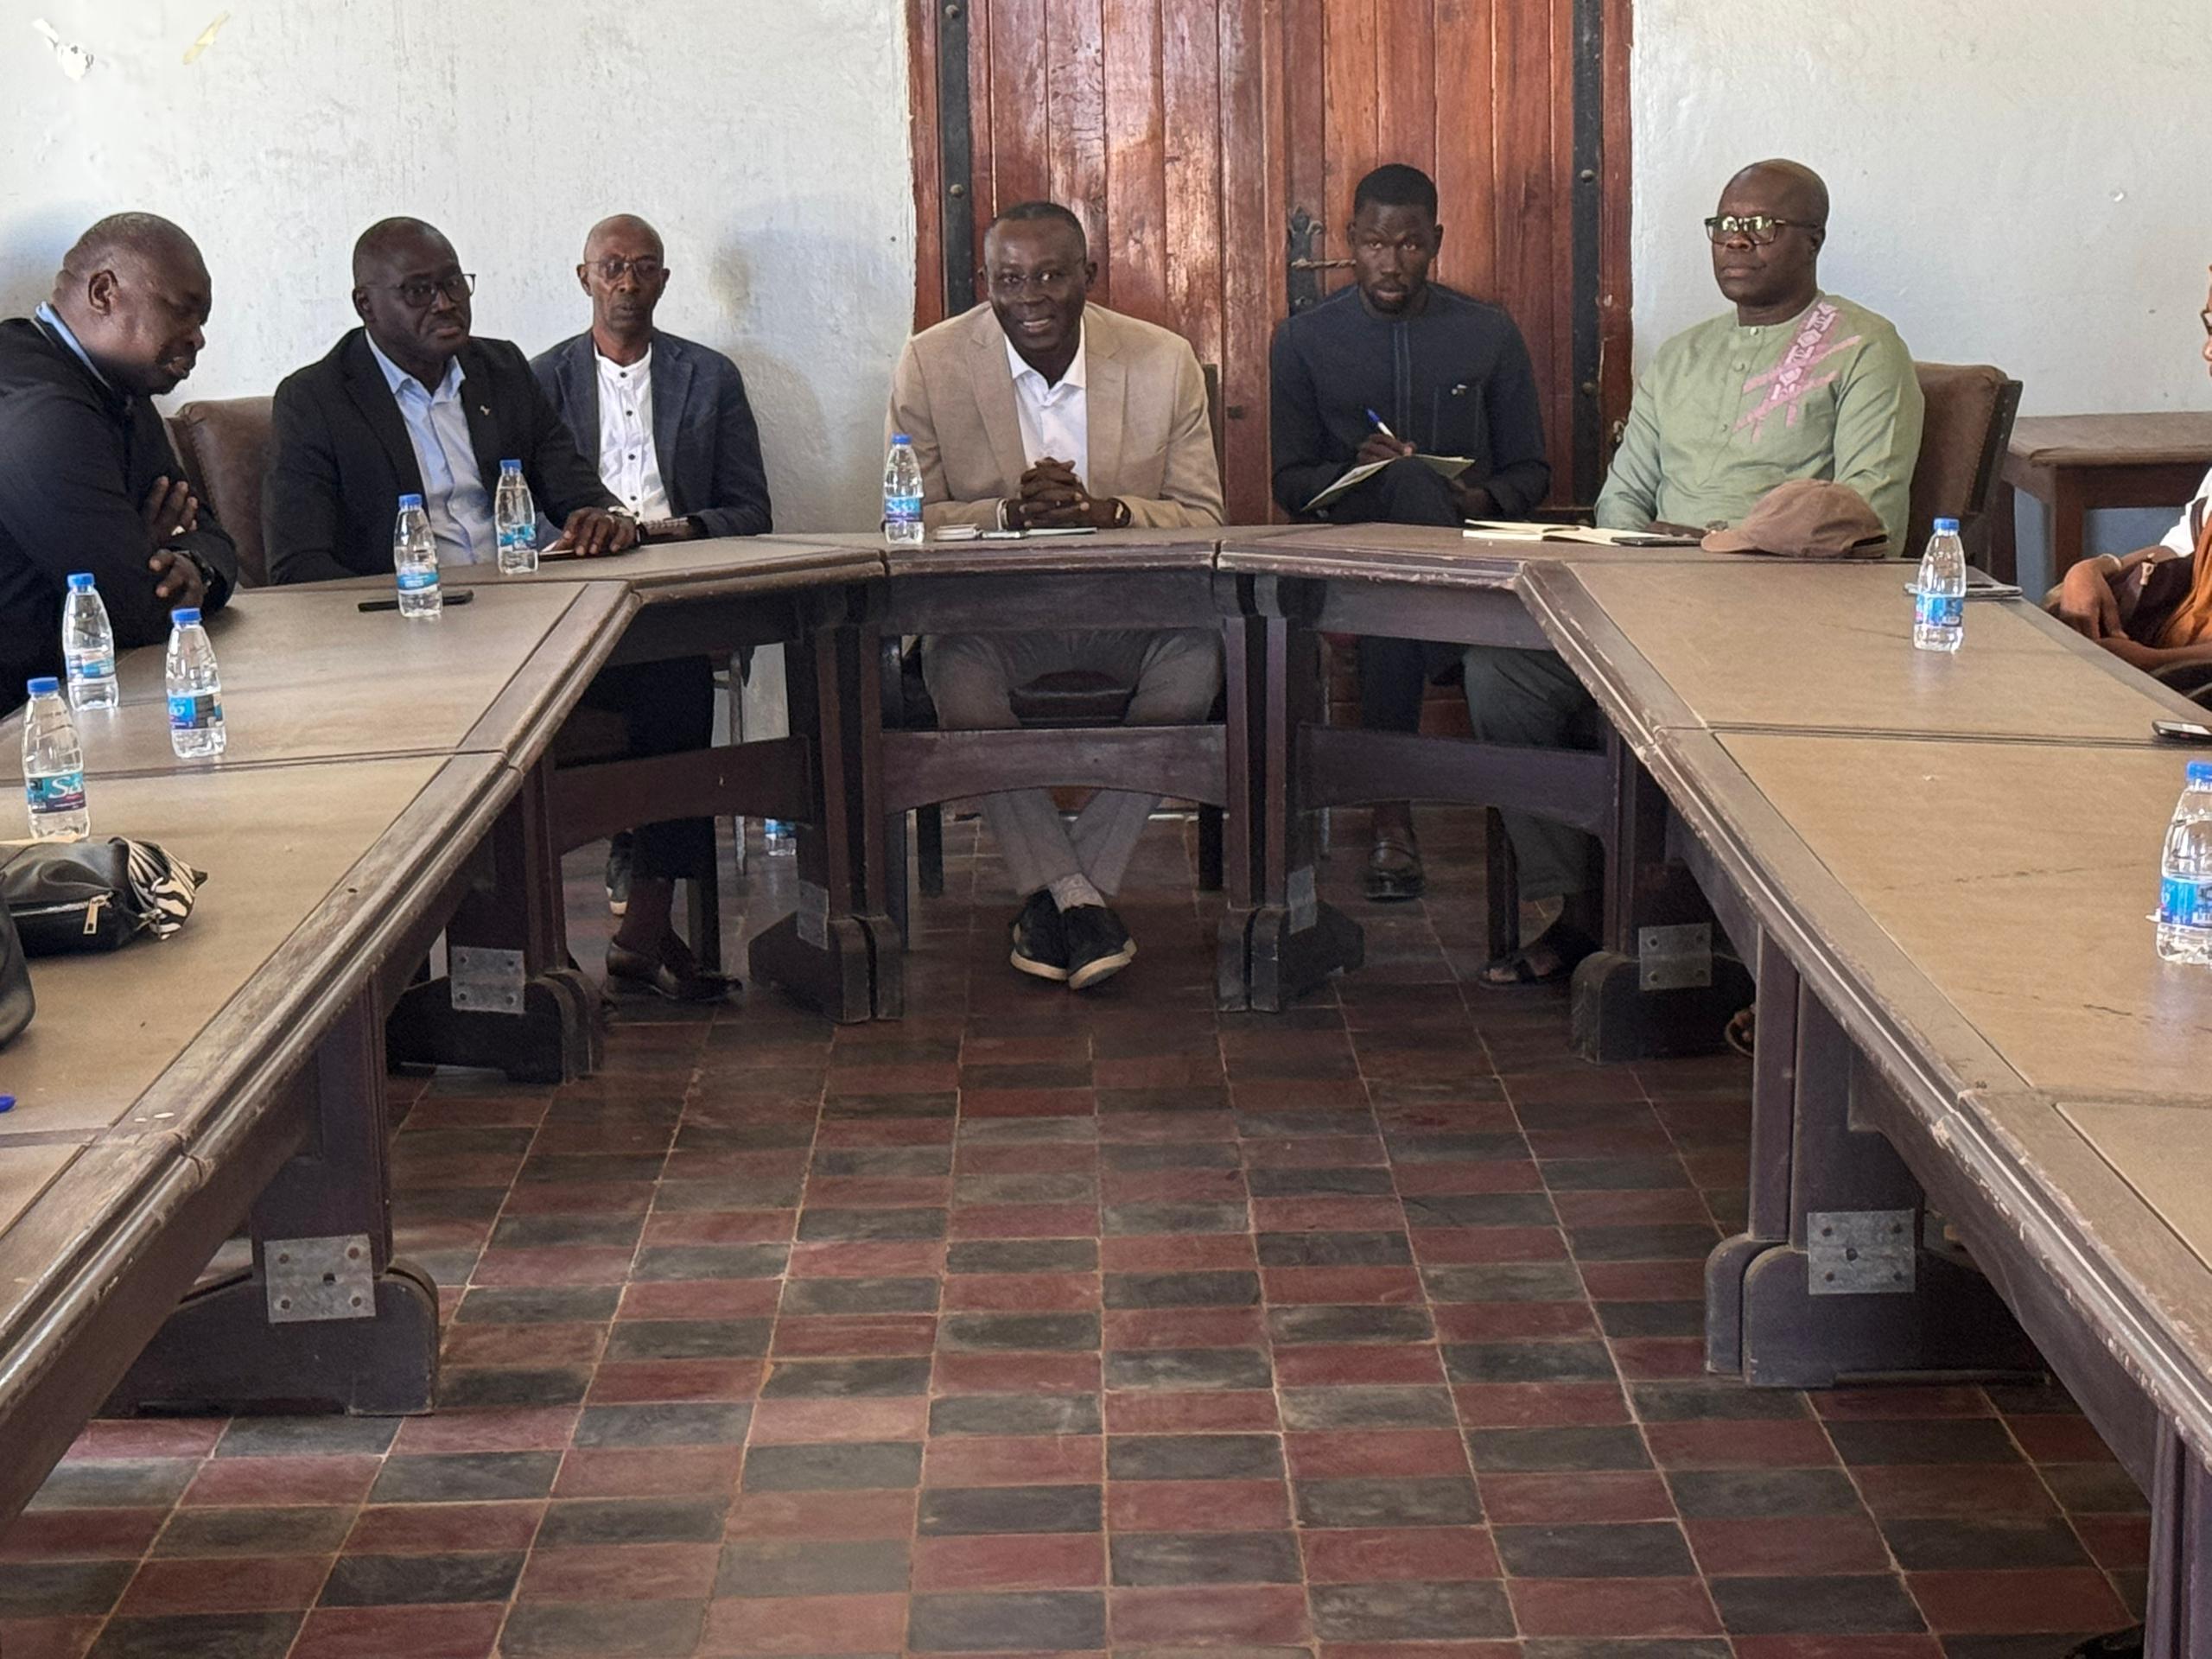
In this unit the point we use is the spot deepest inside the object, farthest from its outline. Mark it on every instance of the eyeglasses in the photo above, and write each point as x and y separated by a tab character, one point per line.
1759	229
2206	317
611	270
420	292
1010	284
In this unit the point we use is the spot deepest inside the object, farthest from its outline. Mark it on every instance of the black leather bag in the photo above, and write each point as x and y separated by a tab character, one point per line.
16	1004
68	896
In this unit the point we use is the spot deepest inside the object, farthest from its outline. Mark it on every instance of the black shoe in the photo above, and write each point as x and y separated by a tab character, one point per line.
618	876
1098	946
2121	1644
1394	869
1041	944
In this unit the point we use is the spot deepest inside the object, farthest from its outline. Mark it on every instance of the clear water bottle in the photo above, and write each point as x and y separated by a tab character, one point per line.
515	514
88	645
415	560
2185	873
53	766
902	494
1939	605
776	835
195	690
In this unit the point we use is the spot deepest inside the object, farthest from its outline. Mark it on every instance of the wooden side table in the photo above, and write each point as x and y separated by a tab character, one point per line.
2072	463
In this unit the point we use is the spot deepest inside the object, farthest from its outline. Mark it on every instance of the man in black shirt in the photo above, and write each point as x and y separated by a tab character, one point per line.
1446	375
88	480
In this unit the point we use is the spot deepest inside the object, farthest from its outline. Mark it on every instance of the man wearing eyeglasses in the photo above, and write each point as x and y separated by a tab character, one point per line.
410	404
1792	382
1036	410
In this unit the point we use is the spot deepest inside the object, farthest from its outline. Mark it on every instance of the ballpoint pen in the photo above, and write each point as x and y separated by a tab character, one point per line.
1380	427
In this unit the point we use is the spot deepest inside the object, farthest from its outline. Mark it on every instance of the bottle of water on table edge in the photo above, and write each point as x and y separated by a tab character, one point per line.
2185	873
515	516
1939	606
776	835
415	561
53	766
88	645
902	494
195	690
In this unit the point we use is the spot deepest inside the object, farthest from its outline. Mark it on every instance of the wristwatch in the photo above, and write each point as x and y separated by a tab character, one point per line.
1122	515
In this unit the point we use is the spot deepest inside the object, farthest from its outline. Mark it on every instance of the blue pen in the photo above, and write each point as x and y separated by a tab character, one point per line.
1381	427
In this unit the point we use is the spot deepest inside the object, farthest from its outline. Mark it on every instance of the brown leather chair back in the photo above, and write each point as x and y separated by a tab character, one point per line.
226	445
1970	411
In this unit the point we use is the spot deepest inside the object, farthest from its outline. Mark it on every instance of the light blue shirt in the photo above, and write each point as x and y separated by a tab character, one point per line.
452	491
47	315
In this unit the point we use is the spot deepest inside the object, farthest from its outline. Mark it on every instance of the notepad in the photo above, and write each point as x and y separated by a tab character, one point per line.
1488	529
1445	466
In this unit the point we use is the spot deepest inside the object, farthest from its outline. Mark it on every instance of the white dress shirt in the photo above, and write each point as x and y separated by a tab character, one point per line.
454	496
627	464
2182	538
1055	419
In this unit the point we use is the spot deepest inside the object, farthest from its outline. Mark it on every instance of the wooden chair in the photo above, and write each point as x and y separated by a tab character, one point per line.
225	445
1969	422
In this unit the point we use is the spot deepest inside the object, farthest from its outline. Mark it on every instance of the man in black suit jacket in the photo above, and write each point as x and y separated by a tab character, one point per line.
410	403
666	417
88	480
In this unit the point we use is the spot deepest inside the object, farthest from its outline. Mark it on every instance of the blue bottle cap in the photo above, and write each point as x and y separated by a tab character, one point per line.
81	581
511	465
900	437
1947	526
45	686
184	618
411	501
7	1103
2200	772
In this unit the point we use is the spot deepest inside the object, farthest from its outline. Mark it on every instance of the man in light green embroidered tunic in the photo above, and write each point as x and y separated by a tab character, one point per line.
1793	383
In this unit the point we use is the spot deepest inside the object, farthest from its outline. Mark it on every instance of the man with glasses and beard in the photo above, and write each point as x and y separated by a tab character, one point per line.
1791	383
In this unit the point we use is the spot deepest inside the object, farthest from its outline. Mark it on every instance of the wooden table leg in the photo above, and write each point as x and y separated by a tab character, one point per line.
2066	520
2177	1613
1766	1223
837	951
511	999
2004	532
326	1319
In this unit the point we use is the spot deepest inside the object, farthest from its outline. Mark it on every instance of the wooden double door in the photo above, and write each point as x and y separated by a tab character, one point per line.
1211	148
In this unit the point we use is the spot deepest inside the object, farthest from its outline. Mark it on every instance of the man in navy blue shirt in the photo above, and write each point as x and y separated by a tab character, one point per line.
1447	375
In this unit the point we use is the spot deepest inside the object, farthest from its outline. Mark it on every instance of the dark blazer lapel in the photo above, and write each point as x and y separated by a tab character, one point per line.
671	393
372	395
580	393
478	401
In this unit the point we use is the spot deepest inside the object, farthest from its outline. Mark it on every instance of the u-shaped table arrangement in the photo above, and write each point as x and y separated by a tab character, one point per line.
1934	871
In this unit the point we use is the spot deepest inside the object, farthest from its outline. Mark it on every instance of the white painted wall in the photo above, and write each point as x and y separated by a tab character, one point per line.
768	142
2022	182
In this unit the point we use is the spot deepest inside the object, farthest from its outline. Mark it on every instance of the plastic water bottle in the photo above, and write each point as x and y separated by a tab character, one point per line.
53	766
2185	873
415	560
902	494
88	645
195	690
1939	606
776	835
515	515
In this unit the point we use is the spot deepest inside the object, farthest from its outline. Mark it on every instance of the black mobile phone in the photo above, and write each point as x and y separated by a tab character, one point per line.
454	596
2180	731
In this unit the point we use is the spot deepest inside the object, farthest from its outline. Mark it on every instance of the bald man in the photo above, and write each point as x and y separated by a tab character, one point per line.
1791	383
676	437
88	480
411	403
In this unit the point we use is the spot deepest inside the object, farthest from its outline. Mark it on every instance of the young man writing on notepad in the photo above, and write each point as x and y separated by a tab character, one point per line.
1391	369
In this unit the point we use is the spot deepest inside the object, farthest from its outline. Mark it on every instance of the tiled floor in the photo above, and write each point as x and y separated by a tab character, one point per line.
1043	1324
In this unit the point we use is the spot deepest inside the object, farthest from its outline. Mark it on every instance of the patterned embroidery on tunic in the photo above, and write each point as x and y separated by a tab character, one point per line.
1791	379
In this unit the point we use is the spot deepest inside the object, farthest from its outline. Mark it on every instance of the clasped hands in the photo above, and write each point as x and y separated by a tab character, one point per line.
1052	498
170	511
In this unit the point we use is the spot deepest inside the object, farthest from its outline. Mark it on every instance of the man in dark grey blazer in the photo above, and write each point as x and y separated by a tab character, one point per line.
666	418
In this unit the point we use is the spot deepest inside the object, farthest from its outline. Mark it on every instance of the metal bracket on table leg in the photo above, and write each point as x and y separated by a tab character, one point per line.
1674	958
486	981
1861	1252
312	1279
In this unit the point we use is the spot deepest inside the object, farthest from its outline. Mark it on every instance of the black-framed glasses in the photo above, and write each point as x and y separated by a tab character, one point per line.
1759	229
420	292
1012	284
612	270
2205	317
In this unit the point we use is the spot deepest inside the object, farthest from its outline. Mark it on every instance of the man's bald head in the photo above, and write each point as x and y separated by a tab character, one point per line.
625	269
135	292
1801	194
1771	281
411	293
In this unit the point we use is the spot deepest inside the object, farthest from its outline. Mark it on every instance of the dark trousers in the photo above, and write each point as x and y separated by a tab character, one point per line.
669	708
1393	673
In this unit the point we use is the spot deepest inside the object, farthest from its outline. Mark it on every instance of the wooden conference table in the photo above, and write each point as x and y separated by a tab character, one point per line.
2075	463
1935	870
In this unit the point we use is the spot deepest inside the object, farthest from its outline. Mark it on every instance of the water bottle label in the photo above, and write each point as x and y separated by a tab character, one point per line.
93	668
902	509
518	535
419	579
1940	610
2184	902
60	791
194	712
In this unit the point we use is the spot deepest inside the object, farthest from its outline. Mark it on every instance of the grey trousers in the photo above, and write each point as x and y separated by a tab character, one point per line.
1531	699
971	676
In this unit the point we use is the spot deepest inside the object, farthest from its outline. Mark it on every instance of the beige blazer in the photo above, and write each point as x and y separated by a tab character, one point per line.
1151	444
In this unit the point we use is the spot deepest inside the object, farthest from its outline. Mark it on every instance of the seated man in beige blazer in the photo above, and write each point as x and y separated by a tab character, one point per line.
1039	411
